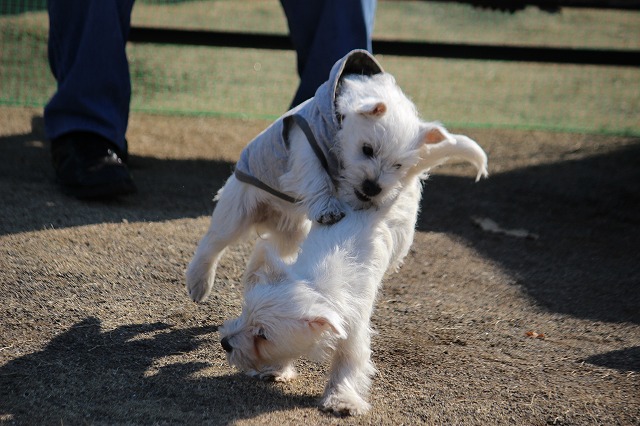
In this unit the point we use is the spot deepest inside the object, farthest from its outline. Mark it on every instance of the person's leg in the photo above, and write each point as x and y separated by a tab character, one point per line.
86	119
87	56
323	31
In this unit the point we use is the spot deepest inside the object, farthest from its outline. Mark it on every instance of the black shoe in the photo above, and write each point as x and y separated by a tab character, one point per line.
90	166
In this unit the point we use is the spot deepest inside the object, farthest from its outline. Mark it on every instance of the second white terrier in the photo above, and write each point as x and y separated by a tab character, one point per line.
321	304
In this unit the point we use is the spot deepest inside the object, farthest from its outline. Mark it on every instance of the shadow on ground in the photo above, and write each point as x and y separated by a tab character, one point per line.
624	359
88	373
584	264
585	211
587	215
167	189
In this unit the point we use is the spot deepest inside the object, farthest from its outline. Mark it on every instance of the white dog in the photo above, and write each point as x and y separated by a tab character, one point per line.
322	303
286	175
340	148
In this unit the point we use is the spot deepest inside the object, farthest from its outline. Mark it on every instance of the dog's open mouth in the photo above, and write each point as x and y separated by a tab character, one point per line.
361	196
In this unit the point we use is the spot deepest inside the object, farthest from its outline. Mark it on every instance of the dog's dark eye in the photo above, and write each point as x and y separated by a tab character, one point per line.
367	150
397	166
261	334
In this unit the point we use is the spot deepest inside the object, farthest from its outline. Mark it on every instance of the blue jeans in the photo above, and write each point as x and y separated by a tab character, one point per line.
87	56
323	31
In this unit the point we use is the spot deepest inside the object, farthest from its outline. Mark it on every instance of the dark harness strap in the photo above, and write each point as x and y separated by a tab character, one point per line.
311	138
251	180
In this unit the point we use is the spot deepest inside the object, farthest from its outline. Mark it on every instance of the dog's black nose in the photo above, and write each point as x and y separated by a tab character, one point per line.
370	188
226	345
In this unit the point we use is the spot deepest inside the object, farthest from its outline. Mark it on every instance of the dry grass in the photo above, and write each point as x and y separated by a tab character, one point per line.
260	84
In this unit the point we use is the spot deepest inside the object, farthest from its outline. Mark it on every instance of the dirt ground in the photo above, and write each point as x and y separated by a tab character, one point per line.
96	327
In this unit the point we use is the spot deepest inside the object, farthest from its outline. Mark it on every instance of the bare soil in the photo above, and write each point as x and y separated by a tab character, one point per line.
477	328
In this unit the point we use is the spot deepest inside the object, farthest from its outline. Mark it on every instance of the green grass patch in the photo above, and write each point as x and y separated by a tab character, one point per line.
261	83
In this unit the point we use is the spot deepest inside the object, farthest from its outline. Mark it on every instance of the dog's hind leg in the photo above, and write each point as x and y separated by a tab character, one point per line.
264	265
232	219
281	234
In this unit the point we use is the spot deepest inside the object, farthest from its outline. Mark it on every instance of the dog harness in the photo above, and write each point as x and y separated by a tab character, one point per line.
265	159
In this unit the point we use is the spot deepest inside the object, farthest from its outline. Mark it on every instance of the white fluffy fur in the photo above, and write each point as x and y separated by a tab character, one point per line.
375	113
321	304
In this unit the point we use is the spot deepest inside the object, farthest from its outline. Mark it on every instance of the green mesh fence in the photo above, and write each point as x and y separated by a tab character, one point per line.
260	83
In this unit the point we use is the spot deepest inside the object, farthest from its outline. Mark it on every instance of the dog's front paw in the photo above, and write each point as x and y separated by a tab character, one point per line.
199	283
330	213
330	219
275	373
344	405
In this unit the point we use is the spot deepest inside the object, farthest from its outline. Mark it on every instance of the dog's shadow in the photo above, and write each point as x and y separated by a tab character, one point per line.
86	374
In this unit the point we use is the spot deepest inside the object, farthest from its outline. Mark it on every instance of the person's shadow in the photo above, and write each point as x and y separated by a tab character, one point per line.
87	374
167	189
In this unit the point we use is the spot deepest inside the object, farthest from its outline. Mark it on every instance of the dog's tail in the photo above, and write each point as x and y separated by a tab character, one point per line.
463	147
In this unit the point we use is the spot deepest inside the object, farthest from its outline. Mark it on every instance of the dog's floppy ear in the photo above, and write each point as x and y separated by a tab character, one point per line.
372	108
432	133
434	153
327	320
